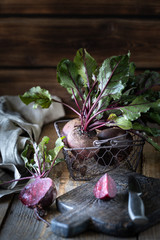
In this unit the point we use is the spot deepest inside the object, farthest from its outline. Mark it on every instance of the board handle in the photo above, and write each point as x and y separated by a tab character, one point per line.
70	223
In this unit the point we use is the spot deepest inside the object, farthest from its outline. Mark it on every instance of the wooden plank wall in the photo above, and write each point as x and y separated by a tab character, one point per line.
36	35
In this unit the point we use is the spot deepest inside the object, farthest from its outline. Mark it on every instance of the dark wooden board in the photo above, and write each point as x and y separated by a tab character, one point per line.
81	210
43	42
108	7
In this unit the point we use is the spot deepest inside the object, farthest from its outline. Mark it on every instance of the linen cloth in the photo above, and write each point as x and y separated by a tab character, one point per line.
18	124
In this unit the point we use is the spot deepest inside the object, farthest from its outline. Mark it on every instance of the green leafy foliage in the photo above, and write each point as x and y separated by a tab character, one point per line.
38	159
86	66
113	75
111	89
39	96
68	76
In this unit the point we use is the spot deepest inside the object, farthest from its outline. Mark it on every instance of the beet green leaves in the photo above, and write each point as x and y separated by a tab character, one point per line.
107	95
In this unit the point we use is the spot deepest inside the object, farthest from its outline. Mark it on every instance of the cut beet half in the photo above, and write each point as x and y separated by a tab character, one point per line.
105	187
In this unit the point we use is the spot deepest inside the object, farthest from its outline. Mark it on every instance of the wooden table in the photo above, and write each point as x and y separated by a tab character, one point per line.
17	222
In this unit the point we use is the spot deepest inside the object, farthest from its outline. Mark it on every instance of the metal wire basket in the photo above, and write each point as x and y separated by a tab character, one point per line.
104	156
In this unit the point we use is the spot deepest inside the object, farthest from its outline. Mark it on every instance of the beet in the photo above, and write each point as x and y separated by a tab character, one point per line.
105	187
40	193
110	133
39	161
70	125
116	154
76	138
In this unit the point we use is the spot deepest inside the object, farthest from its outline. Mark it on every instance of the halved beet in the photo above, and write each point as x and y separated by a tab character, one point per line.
105	187
41	192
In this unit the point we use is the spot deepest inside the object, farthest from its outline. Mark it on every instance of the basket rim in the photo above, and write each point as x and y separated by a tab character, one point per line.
137	142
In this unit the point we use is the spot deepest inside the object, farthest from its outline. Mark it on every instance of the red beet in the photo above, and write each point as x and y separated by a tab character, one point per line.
76	138
38	194
41	192
70	125
105	187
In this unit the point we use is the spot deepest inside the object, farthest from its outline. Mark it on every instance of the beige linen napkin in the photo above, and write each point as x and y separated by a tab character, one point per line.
19	123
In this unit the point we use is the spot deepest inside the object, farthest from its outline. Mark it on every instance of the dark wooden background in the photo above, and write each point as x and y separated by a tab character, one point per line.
36	35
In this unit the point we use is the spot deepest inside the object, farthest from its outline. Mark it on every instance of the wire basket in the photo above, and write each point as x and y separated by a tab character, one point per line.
104	156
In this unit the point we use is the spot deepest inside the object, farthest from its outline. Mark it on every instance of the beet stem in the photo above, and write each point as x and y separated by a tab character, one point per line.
16	180
40	218
74	110
97	126
47	173
88	119
37	160
75	100
88	95
30	171
78	90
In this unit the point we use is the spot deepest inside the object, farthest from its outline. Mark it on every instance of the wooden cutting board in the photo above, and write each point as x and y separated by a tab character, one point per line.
80	210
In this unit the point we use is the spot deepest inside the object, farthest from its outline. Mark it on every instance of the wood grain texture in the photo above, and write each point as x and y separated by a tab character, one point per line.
37	42
82	7
151	234
21	218
21	224
151	165
35	36
81	210
4	203
16	82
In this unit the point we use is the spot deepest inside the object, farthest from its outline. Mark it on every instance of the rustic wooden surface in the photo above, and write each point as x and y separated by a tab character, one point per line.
43	42
81	7
17	222
34	37
80	211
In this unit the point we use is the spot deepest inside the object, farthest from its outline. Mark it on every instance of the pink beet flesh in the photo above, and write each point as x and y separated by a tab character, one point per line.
41	191
105	187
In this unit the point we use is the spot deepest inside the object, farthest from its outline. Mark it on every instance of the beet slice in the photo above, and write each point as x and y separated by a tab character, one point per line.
41	192
105	187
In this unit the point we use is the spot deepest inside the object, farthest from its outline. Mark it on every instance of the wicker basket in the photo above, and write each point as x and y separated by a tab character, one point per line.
104	156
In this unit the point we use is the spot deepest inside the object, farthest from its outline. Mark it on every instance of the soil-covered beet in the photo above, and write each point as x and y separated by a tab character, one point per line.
70	125
76	138
83	140
38	194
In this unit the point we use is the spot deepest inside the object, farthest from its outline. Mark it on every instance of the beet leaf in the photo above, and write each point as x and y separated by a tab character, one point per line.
40	97
38	160
107	95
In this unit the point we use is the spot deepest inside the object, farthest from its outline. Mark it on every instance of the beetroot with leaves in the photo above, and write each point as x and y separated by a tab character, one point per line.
106	96
41	192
